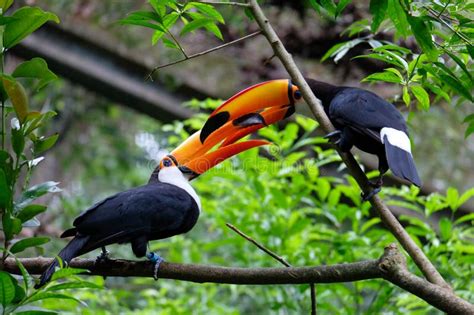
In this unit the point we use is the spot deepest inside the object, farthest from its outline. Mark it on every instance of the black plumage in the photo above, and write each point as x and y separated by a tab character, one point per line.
359	116
150	212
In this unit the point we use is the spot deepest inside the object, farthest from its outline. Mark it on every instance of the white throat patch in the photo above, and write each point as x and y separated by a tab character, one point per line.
396	138
172	175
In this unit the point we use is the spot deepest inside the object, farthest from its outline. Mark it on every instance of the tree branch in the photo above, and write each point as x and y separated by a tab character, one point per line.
314	104
278	258
391	266
202	53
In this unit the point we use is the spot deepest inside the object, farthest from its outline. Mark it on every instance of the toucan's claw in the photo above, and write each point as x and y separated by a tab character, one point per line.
103	257
333	136
157	260
370	194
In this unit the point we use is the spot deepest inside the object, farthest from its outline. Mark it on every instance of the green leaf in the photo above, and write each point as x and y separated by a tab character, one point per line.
468	194
5	4
30	211
464	218
35	68
11	226
37	191
42	144
406	96
214	30
18	97
74	285
378	9
7	289
206	9
445	227
342	4
383	76
195	24
18	141
468	118
5	192
340	50
28	20
48	295
28	242
144	24
66	272
423	37
398	16
460	63
169	43
456	85
469	130
421	95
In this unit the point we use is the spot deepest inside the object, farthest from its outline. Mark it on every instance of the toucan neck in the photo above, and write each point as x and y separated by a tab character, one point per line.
324	91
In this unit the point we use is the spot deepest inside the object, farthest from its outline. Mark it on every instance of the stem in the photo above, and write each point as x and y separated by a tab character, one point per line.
203	53
317	109
239	4
177	43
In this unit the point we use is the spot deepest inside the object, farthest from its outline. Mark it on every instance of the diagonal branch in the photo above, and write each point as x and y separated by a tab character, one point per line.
314	104
202	53
391	267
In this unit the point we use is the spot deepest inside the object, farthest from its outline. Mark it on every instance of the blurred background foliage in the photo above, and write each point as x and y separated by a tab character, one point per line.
295	197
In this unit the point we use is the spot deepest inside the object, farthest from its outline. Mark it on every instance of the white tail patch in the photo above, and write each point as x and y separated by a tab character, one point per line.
396	138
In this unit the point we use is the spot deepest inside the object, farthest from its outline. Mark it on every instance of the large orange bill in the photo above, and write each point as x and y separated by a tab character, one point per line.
275	93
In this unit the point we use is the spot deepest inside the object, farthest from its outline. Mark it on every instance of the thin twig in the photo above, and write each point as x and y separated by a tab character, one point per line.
278	258
238	40
314	310
260	246
239	4
425	265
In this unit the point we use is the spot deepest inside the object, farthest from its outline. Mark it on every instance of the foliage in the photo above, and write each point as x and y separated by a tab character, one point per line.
165	14
286	203
22	146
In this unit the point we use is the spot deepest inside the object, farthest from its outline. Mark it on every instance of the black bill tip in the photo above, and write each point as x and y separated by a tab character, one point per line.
212	124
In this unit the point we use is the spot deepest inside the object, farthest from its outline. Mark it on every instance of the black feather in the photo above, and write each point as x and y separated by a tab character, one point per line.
66	254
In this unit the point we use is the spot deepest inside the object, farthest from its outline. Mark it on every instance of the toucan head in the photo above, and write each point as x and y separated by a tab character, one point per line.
247	111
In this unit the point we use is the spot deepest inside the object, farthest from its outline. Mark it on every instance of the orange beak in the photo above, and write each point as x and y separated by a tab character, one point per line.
193	158
242	107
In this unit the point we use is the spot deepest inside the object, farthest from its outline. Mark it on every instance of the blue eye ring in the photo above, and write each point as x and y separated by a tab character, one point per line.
167	163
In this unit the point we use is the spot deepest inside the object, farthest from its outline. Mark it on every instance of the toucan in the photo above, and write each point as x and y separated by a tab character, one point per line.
361	118
167	205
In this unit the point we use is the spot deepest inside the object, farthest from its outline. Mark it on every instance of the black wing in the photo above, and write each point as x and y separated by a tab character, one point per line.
153	209
365	112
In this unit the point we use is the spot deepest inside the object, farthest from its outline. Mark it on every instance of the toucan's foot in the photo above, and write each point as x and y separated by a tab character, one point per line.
377	184
157	260
370	194
103	257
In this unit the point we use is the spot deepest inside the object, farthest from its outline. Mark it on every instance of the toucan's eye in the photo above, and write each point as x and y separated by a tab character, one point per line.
297	95
167	163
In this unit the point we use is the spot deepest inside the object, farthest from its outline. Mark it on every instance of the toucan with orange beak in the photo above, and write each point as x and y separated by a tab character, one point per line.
166	206
361	118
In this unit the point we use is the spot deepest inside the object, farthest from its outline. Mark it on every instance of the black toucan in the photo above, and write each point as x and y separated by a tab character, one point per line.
166	206
362	119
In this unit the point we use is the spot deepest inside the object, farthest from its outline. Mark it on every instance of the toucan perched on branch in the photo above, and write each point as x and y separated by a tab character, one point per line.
167	205
362	119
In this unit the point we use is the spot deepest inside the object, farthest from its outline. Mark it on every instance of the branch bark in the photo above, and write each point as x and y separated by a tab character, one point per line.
391	267
317	109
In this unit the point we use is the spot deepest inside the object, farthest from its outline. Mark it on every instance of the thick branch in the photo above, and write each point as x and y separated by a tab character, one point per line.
391	266
314	104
